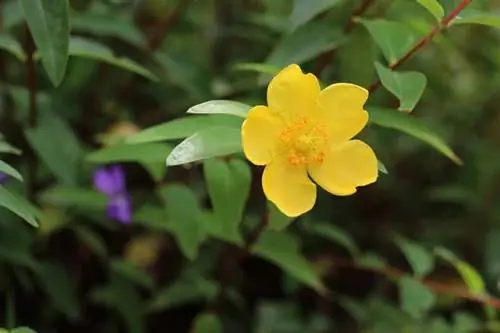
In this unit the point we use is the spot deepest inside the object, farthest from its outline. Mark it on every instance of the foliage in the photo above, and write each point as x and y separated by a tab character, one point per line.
183	239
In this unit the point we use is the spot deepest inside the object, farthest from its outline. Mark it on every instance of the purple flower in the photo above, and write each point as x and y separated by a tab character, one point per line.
111	181
3	178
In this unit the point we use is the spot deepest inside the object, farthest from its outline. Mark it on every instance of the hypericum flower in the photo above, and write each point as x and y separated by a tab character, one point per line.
111	181
305	133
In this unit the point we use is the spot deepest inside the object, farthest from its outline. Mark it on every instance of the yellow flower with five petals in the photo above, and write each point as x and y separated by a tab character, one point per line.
305	132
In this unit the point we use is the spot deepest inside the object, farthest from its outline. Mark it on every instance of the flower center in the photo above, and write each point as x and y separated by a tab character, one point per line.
303	142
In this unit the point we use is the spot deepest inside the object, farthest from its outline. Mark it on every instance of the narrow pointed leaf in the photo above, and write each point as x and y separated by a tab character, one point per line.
86	48
221	107
8	170
212	142
48	21
412	126
18	206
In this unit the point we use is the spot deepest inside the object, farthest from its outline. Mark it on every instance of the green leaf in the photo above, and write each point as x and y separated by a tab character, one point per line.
206	323
12	14
57	146
282	249
257	67
18	206
123	296
354	60
305	11
229	187
8	170
212	142
298	47
86	199
183	291
150	155
183	214
7	148
421	260
372	260
183	127
412	126
468	273
104	25
415	297
472	16
92	240
57	284
22	330
122	152
464	322
381	167
132	272
221	107
393	38
185	72
49	25
336	235
434	7
10	44
277	220
408	87
86	48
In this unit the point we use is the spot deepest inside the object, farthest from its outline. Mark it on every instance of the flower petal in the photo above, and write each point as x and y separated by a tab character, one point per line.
292	93
259	134
288	187
118	176
120	208
345	167
341	110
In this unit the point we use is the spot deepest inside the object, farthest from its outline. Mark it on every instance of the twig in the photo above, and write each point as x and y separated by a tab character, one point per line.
326	58
436	286
33	111
443	24
229	261
255	234
161	29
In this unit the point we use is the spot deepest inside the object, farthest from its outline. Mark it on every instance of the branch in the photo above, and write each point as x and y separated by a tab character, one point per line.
443	24
439	287
230	259
326	58
33	111
161	29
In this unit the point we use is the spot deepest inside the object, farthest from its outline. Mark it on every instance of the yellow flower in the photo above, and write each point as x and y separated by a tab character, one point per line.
305	133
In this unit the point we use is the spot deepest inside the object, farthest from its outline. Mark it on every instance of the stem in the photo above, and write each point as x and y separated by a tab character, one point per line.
326	58
443	24
31	79
162	28
229	262
32	112
254	236
439	287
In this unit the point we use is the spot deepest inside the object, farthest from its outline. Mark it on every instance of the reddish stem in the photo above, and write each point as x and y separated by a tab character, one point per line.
443	24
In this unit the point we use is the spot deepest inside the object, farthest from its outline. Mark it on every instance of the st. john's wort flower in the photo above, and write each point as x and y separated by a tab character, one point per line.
111	181
304	134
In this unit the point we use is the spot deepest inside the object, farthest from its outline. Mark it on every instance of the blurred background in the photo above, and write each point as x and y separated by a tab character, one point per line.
418	251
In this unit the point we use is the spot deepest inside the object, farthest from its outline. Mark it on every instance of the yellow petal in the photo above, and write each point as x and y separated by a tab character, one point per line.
259	134
292	93
345	167
341	109
288	187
